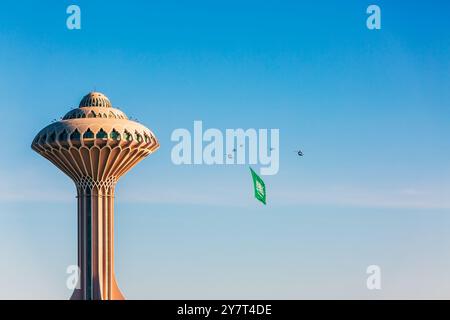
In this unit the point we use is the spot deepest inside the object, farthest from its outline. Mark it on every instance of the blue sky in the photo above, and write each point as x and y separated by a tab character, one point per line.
369	109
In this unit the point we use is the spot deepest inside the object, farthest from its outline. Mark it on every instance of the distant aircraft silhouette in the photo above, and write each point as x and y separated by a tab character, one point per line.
230	156
299	152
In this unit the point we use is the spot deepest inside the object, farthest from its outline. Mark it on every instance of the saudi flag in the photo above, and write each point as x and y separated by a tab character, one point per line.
259	186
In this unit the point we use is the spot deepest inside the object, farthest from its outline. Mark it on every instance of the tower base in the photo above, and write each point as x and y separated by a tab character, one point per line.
116	294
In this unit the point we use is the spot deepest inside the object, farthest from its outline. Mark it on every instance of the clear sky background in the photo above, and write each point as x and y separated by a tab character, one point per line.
370	110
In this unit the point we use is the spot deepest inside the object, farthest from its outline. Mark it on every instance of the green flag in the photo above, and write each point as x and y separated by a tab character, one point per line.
259	186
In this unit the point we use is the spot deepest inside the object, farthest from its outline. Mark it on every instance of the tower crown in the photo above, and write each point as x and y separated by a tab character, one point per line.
95	99
95	141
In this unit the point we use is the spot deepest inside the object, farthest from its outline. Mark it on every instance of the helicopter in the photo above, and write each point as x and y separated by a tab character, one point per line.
230	156
299	153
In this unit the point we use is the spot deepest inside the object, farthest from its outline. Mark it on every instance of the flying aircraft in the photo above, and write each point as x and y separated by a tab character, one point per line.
230	156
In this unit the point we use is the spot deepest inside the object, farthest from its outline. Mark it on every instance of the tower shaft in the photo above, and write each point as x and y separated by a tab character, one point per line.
96	241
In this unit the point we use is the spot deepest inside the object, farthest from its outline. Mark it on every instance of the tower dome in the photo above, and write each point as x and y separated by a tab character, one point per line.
95	99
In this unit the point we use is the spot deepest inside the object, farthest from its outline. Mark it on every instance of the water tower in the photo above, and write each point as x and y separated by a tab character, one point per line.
95	144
